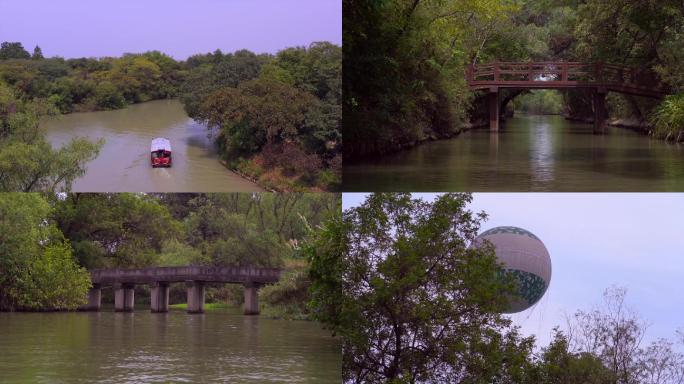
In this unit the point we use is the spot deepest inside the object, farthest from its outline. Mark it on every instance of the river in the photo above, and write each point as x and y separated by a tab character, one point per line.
124	162
218	346
530	153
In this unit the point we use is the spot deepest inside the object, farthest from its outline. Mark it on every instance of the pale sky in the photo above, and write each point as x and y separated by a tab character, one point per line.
180	28
596	240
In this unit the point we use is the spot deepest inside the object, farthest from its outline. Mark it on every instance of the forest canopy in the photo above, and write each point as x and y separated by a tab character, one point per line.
275	118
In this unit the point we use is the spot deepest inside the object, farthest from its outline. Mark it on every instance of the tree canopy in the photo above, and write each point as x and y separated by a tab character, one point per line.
277	117
397	279
405	61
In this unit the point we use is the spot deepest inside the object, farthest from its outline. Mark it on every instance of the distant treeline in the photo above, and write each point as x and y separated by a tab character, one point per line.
278	116
47	242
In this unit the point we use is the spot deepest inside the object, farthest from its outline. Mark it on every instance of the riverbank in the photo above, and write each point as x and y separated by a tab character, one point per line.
430	137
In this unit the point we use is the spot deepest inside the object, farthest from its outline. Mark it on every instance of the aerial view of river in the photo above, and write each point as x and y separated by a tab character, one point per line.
218	346
529	153
123	164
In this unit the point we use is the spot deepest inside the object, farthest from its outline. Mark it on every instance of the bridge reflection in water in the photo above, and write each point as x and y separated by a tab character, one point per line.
159	278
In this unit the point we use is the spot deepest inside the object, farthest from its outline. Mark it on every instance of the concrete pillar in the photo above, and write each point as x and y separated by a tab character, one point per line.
94	299
159	297
600	112
123	297
195	296
251	299
493	102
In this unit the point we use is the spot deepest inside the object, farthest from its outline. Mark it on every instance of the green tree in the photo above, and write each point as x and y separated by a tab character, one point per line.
15	50
37	270
228	238
115	230
27	161
37	53
396	278
558	365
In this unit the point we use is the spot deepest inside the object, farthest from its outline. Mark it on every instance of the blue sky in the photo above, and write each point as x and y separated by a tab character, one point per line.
597	240
180	28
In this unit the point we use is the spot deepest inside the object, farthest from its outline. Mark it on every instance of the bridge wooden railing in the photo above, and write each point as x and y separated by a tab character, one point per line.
563	75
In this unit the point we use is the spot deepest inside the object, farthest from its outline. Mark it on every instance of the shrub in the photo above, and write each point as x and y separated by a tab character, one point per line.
668	119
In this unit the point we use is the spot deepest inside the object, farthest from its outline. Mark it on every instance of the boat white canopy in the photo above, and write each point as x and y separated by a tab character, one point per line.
160	143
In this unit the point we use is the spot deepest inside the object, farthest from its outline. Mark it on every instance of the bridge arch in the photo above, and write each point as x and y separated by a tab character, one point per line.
599	78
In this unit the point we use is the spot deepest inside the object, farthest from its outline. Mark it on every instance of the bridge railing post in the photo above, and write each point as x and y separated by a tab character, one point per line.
564	72
496	71
598	72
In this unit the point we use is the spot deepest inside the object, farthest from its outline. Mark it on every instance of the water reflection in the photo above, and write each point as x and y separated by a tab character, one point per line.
539	153
141	347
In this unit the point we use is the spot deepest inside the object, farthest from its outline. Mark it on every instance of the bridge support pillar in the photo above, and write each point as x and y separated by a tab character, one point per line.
493	102
600	112
159	297
124	297
251	299
195	296
94	299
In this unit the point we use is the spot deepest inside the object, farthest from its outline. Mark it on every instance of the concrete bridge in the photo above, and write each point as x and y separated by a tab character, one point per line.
158	278
600	78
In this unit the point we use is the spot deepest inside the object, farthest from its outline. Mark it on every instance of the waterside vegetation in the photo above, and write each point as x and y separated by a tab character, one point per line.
49	242
405	62
275	118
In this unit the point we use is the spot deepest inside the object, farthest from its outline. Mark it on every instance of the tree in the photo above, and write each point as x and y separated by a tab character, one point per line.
558	365
115	230
661	364
27	161
226	237
613	333
396	278
37	270
37	53
14	50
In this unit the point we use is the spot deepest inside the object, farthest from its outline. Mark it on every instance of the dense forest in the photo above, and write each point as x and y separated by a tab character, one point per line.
397	279
275	118
48	242
404	61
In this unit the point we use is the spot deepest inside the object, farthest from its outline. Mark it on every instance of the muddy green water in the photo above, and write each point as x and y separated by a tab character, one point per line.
124	162
141	347
530	153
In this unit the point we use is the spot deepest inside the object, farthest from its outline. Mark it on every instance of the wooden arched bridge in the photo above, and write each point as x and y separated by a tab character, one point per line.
158	278
599	77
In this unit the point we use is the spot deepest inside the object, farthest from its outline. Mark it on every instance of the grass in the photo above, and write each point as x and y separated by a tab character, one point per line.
668	118
207	306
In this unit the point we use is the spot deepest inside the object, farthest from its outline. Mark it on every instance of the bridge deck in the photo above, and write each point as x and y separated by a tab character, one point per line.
185	273
563	75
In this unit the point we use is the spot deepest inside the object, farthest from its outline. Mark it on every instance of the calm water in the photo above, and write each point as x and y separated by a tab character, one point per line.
530	153
124	162
141	347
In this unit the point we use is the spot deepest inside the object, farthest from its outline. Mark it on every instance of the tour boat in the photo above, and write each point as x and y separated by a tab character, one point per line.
160	152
